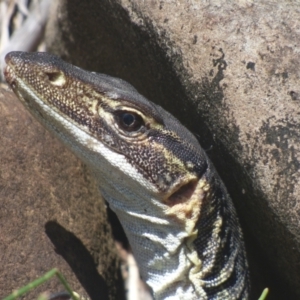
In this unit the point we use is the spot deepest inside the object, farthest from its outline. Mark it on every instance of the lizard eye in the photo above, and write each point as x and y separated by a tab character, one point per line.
129	121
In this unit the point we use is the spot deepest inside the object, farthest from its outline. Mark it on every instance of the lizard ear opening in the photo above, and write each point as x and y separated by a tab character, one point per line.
56	78
183	194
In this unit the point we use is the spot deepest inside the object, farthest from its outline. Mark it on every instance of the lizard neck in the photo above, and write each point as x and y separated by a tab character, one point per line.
162	238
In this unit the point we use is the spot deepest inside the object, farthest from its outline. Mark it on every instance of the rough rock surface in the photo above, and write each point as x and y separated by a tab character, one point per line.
51	214
229	70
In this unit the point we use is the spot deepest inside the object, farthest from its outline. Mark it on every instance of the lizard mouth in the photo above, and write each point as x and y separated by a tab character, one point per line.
10	76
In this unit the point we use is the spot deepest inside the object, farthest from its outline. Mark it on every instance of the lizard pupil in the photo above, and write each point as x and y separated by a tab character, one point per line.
129	121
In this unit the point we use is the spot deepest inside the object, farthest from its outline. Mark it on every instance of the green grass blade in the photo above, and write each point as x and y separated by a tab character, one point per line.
27	288
264	294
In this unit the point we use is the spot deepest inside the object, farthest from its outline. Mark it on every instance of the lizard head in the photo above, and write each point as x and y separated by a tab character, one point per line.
109	113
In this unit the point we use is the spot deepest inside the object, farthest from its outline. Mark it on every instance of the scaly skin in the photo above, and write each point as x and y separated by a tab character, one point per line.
175	210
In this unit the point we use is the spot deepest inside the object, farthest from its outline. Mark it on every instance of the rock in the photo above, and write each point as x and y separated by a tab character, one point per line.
51	213
230	72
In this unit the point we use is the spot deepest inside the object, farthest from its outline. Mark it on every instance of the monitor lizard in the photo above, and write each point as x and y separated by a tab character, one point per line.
175	210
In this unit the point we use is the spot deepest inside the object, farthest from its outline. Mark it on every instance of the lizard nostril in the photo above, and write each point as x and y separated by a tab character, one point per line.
56	78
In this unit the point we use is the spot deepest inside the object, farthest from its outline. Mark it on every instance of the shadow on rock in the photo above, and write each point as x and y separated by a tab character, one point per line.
79	259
